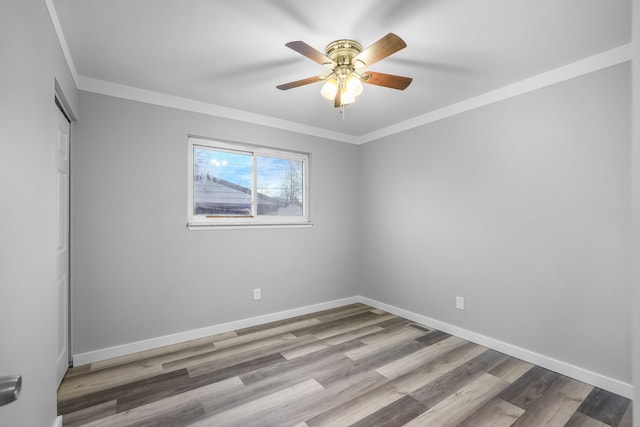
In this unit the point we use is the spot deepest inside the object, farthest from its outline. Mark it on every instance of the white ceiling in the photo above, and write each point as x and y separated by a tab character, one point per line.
231	53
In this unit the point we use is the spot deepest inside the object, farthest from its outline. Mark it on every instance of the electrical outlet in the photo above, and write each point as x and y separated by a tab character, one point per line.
460	303
257	294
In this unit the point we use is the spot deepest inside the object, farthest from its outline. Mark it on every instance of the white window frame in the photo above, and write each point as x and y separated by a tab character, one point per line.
205	222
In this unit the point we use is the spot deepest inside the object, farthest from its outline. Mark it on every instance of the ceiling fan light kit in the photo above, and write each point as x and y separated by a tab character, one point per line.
344	57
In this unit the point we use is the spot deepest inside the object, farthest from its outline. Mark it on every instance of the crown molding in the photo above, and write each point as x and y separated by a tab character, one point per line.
157	98
582	67
63	42
579	68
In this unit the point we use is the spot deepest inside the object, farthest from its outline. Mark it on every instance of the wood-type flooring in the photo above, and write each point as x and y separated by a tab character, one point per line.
349	366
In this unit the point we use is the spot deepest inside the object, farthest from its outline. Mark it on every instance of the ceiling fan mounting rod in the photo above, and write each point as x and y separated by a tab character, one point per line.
342	71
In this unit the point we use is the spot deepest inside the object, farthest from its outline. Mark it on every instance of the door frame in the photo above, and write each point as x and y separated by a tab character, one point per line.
63	105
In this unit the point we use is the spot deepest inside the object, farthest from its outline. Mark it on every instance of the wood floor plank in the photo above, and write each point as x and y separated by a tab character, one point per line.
306	349
374	343
352	320
511	369
263	382
627	418
352	334
529	387
422	375
350	370
178	410
556	406
266	333
393	322
218	403
78	370
107	393
396	333
187	412
331	397
88	414
419	358
236	369
262	346
397	413
166	352
246	356
351	365
433	337
581	420
288	413
353	386
156	392
434	392
458	406
81	385
370	402
252	413
322	316
495	413
140	392
127	368
357	408
315	364
341	329
331	315
320	345
157	358
604	406
360	393
420	327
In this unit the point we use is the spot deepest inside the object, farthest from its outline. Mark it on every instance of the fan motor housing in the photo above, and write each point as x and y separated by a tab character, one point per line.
343	51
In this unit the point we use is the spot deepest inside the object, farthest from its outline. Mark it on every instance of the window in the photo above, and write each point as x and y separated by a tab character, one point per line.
238	185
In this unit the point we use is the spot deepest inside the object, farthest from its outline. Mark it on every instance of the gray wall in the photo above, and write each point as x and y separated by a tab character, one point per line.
635	161
31	60
139	274
523	208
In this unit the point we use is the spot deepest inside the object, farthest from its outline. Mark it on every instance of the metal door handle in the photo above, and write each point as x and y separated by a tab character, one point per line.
10	387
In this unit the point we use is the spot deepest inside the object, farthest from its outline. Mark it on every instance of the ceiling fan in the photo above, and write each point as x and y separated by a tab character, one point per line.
344	57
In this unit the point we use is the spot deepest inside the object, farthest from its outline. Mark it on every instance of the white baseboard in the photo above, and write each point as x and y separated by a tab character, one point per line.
589	377
134	347
580	374
58	421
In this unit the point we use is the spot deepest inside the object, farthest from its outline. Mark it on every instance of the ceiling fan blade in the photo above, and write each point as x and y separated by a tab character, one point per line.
298	83
311	53
379	50
386	80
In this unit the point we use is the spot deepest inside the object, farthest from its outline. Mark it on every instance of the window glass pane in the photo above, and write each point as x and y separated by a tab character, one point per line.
280	185
222	183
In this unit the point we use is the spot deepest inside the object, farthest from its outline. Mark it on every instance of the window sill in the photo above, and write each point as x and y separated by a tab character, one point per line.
246	226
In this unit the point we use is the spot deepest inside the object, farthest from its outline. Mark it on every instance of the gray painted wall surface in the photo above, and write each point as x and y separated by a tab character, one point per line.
635	161
521	207
139	274
31	60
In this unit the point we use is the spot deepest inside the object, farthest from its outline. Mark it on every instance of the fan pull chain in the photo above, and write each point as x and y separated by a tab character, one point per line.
341	88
